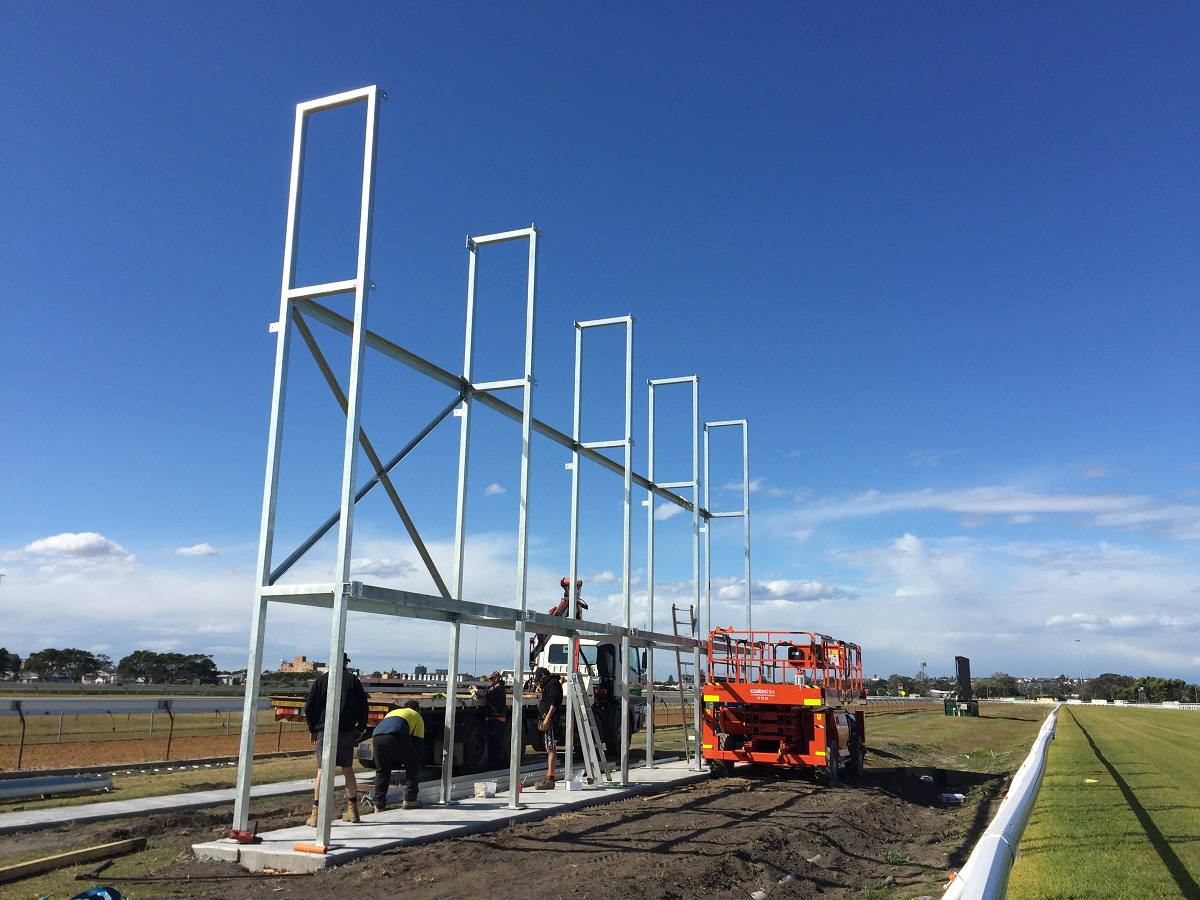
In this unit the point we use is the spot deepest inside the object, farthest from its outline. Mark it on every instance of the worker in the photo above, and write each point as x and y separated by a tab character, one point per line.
495	700
398	741
353	717
549	703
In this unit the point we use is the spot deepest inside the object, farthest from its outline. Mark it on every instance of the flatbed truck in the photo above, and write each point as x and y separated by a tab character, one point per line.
598	665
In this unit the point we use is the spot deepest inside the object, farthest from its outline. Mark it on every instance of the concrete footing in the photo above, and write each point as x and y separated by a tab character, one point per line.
465	814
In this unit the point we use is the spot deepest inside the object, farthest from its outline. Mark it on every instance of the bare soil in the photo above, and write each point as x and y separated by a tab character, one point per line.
883	835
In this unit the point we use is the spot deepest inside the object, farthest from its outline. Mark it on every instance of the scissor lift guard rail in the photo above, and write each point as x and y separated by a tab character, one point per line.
784	698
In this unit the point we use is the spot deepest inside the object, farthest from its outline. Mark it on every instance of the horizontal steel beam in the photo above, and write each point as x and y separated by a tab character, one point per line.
376	599
335	100
502	236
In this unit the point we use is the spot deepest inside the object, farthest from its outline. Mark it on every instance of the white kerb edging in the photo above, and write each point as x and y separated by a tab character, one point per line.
985	875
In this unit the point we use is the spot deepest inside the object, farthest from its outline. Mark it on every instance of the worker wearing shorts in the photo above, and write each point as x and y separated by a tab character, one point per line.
549	703
353	717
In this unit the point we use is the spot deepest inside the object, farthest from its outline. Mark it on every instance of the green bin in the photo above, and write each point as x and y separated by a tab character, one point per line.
962	708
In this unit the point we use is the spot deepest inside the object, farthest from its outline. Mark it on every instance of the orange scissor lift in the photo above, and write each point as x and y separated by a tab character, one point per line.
784	698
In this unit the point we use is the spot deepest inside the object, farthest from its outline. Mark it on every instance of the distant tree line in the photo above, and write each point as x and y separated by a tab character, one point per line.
10	664
65	665
72	664
167	668
1109	687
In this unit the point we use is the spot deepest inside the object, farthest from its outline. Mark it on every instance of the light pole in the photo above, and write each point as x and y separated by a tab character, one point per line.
1079	650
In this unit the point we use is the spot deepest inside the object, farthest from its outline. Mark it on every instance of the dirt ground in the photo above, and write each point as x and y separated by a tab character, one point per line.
884	834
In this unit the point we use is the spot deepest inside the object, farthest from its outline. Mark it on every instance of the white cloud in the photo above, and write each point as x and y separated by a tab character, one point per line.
1096	472
63	554
1015	606
493	490
86	544
664	511
755	485
380	569
929	459
198	550
796	591
1124	512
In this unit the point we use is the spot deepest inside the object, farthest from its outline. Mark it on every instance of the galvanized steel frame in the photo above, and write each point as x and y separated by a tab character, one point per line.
299	304
290	297
625	444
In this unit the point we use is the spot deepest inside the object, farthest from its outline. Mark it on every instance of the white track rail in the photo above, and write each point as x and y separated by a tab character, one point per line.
99	706
985	875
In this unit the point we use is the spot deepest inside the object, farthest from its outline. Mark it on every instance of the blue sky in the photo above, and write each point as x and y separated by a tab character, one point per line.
942	257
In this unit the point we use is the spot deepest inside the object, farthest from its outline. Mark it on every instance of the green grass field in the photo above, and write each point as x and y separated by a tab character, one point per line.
1118	814
995	742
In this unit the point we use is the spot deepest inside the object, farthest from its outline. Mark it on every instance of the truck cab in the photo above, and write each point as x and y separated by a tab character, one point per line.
599	669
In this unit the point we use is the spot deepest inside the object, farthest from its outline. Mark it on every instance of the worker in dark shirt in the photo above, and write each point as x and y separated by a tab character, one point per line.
495	700
549	703
352	718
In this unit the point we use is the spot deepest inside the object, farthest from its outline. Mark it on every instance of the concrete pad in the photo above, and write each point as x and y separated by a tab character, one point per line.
398	827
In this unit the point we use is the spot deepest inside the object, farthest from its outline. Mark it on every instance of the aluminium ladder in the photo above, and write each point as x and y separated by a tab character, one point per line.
685	672
595	763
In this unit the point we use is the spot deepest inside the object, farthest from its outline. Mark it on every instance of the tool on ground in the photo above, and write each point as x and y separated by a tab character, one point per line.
246	837
93	873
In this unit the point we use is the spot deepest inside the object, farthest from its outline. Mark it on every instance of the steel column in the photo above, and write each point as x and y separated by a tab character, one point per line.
694	484
743	514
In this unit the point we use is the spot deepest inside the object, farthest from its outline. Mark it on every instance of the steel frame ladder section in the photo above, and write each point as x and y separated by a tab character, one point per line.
291	296
743	514
595	763
525	383
690	723
625	444
694	484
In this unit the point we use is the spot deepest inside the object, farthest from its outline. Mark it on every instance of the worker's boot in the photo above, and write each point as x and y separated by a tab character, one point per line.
546	784
412	804
379	803
351	810
311	821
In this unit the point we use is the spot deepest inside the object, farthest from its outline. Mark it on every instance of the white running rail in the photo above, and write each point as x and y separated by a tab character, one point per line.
985	875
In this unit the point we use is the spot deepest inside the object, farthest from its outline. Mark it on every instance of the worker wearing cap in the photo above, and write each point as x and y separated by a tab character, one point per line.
549	703
495	700
352	718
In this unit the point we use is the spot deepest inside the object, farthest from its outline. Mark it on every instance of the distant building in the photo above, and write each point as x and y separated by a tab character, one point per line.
102	678
300	665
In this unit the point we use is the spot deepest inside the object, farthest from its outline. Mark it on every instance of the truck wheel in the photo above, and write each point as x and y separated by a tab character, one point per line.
720	768
475	747
365	754
611	732
612	742
831	765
